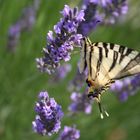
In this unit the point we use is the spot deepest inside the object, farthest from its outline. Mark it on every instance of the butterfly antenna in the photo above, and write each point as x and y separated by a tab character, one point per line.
101	108
101	111
106	113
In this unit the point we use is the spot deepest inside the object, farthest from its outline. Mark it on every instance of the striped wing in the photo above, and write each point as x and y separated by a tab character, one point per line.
127	59
107	61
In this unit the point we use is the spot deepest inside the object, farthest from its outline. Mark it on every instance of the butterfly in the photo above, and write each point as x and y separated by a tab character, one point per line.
106	63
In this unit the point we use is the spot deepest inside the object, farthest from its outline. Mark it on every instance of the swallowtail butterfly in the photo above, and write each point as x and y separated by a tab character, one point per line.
106	62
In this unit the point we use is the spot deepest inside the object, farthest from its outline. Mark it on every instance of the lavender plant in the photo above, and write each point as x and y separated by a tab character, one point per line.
49	114
77	82
67	35
69	133
24	23
80	103
13	36
61	73
60	46
101	11
125	88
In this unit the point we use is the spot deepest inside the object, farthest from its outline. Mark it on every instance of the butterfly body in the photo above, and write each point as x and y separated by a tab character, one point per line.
105	63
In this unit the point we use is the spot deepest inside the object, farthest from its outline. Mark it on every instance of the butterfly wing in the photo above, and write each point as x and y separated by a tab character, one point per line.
132	67
83	54
107	61
127	59
103	68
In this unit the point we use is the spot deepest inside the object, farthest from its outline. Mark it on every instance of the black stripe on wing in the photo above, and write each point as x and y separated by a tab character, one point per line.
128	51
90	60
100	58
121	58
125	50
85	51
121	49
96	44
128	69
115	57
111	45
118	48
102	45
99	61
135	61
106	49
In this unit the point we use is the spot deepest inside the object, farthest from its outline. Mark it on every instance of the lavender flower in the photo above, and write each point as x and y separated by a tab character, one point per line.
80	103
113	9
60	44
126	87
13	36
49	114
69	133
24	23
27	19
78	81
101	11
61	73
91	18
63	70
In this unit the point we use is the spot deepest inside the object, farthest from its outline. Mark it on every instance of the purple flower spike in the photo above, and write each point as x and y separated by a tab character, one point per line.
101	11
80	103
91	18
24	23
113	9
62	42
61	73
126	87
78	81
14	30
49	114
13	36
69	133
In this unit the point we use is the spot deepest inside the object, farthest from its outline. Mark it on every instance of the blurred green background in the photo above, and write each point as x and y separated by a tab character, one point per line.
20	81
